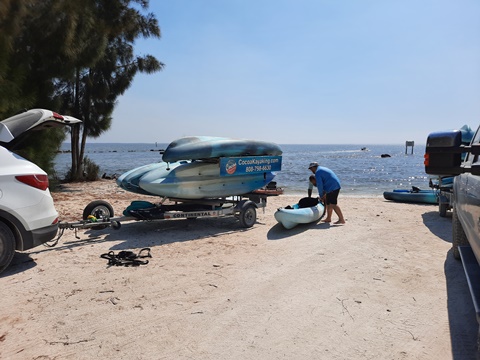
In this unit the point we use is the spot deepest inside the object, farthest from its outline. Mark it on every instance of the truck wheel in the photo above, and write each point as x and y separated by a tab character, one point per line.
100	209
248	215
7	246
442	209
458	235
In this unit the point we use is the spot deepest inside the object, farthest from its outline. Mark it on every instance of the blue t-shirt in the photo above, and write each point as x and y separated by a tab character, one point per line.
327	181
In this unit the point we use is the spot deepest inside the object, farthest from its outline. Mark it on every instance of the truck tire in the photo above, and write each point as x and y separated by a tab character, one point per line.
7	246
458	235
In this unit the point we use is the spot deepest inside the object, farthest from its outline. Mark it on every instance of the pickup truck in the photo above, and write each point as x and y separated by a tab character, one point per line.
443	156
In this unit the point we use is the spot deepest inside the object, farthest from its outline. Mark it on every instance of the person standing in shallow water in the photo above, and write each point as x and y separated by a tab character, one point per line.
328	186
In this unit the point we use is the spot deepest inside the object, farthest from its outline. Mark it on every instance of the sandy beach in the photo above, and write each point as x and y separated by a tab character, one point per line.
383	286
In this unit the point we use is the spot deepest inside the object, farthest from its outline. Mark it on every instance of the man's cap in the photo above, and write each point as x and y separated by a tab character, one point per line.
313	164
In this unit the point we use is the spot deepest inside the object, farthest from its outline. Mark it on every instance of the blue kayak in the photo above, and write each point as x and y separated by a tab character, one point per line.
210	147
412	196
190	180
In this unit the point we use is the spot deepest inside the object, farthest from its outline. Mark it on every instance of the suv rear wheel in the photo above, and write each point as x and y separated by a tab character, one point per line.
7	246
459	237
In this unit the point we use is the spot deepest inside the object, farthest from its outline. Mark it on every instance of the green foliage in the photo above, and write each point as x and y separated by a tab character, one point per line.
74	57
91	170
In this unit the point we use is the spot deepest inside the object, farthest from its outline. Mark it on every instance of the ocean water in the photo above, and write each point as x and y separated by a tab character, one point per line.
361	172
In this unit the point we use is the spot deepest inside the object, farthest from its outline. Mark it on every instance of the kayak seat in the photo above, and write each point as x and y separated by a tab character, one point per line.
307	202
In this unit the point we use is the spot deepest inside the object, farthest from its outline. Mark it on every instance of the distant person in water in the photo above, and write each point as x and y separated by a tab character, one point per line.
328	186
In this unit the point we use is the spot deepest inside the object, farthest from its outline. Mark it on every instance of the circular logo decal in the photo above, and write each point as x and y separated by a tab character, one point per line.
231	167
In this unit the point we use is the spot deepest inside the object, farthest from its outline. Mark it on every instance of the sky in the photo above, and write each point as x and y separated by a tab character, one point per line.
306	72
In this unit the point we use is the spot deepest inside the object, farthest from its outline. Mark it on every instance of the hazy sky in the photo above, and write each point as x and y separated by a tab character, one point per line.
306	71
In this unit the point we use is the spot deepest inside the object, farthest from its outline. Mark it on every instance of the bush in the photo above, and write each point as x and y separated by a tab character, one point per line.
90	169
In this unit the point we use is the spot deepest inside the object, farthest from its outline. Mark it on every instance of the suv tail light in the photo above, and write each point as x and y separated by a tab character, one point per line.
38	181
57	116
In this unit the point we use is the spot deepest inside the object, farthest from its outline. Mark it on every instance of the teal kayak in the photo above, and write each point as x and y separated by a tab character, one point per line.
412	196
211	147
190	180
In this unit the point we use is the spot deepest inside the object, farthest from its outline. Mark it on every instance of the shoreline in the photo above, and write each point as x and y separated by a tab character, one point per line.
384	285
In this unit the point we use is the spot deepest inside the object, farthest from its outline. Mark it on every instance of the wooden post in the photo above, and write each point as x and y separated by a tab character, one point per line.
407	144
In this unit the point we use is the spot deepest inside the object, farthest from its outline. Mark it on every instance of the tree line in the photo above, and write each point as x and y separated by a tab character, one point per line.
73	57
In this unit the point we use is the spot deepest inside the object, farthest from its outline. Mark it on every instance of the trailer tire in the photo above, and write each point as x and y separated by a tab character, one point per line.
248	214
100	209
458	235
7	246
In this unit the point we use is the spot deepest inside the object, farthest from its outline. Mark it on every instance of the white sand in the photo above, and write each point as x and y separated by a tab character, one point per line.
383	286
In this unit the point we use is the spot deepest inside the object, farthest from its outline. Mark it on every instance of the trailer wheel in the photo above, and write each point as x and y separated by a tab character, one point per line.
442	209
458	234
100	209
7	246
248	215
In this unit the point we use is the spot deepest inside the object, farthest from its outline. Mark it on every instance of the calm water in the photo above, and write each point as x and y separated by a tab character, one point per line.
362	173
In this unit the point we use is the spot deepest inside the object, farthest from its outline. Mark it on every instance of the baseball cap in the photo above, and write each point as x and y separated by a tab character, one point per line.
313	164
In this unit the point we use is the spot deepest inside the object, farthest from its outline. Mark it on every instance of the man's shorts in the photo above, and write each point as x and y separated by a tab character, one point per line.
332	197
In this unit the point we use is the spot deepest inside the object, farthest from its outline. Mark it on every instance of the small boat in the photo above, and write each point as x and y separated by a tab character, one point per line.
271	189
306	211
414	195
210	147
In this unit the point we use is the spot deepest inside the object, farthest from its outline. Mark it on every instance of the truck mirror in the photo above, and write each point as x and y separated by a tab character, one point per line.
443	153
474	149
475	169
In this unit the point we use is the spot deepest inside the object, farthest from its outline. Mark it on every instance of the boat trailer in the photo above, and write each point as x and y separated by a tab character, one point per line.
99	214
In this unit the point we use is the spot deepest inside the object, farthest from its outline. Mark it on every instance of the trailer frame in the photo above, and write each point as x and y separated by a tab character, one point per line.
99	214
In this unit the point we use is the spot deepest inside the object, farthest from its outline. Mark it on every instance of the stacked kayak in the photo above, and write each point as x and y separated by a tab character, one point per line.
206	167
307	210
414	195
210	147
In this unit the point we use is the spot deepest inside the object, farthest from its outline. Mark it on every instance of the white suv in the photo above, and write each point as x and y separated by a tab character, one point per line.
27	215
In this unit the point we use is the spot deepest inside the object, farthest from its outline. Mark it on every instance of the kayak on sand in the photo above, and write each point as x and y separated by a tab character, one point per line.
306	211
414	195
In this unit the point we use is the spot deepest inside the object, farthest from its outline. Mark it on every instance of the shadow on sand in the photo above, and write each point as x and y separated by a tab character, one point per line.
462	321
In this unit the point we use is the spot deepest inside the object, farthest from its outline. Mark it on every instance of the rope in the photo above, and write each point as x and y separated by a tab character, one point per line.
127	258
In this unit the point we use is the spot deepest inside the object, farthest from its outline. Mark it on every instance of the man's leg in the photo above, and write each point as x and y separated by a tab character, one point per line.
339	213
329	213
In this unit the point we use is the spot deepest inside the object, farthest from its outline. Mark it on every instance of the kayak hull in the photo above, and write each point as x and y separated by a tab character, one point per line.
293	216
410	196
190	180
209	147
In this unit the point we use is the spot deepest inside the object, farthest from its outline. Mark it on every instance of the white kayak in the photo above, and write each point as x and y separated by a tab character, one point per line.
291	216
